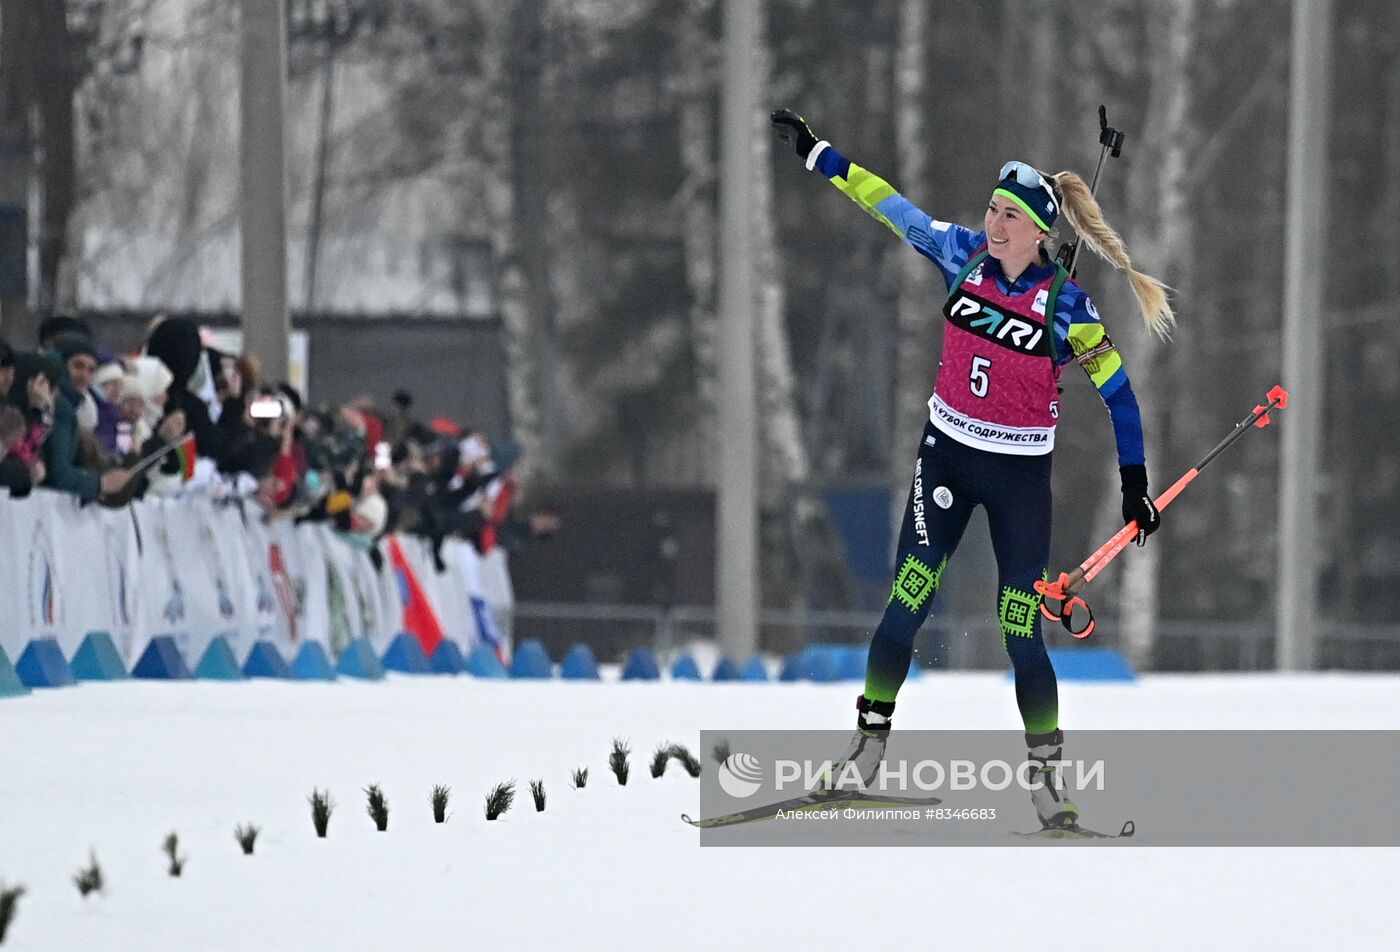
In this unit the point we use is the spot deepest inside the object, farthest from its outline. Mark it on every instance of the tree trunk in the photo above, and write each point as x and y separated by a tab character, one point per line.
325	122
917	310
785	470
516	150
1112	294
1165	251
529	169
17	52
787	463
532	337
54	98
500	199
697	207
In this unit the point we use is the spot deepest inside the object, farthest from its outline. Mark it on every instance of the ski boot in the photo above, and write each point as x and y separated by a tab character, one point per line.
1054	808
866	751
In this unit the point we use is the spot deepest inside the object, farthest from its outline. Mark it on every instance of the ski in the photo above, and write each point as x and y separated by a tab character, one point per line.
809	801
1079	833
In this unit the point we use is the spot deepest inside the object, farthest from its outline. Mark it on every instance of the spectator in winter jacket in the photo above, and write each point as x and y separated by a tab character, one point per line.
175	341
78	354
400	427
107	382
297	450
33	387
155	379
265	451
368	516
61	448
14	475
105	391
7	370
464	503
239	384
132	428
369	422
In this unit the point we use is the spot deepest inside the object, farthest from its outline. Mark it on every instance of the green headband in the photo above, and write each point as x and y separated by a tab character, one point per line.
1021	203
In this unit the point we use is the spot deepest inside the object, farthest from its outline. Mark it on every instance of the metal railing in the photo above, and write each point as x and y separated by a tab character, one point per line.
946	641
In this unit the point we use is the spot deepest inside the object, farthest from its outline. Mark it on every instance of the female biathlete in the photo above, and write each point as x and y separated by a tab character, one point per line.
1014	320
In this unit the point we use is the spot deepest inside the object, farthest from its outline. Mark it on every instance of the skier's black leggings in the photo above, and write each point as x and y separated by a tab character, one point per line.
950	479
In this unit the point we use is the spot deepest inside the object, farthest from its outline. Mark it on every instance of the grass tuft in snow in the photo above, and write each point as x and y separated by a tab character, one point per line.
537	791
659	759
9	905
377	807
171	848
88	878
617	760
687	759
500	798
720	752
321	808
580	778
246	835
438	798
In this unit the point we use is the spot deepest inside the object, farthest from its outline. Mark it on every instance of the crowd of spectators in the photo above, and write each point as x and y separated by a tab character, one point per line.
182	418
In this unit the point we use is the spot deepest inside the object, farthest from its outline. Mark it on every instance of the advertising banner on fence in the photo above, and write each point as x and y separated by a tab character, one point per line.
485	603
196	568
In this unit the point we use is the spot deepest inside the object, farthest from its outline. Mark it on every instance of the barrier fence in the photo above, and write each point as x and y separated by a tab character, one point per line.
959	642
200	574
211	587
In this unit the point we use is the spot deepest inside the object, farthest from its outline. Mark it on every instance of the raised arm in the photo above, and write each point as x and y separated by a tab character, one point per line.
947	245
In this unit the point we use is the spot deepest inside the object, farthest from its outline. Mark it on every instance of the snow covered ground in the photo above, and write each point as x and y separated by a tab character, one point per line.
115	767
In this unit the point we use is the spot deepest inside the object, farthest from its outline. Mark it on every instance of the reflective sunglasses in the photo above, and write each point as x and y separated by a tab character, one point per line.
1027	176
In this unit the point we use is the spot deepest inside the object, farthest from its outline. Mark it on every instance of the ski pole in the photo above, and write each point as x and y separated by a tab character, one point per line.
1065	589
1278	398
1112	141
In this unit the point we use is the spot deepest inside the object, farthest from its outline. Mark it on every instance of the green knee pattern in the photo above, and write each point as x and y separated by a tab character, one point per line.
1017	613
916	582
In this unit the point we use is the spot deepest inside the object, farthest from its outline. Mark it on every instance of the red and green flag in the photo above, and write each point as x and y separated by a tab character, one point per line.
186	454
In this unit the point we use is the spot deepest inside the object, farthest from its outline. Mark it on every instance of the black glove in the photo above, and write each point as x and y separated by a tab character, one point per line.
793	128
1137	506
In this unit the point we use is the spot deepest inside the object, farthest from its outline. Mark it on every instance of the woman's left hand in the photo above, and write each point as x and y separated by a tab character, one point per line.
792	128
1137	505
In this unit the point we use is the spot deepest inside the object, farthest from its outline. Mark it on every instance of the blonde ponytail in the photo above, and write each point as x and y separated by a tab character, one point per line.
1083	212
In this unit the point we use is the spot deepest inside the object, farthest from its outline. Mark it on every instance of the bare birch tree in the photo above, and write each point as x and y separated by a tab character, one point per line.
787	463
17	51
697	200
1106	65
917	311
785	476
517	330
530	167
37	80
1160	238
